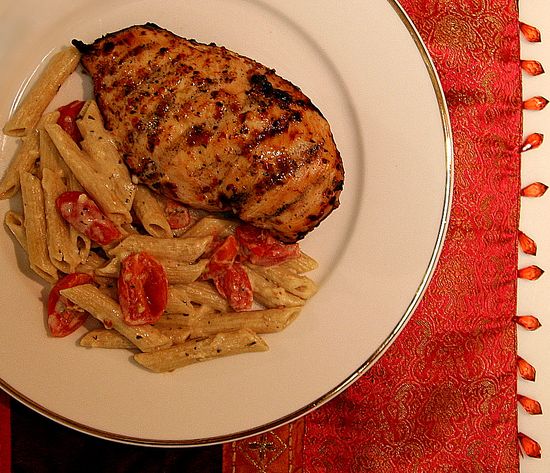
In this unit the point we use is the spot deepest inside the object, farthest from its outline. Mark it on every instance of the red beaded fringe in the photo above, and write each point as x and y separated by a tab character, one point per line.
528	246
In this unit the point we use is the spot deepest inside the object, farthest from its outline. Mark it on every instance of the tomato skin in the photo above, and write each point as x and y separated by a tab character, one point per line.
63	316
67	119
248	244
229	276
222	257
262	248
234	285
85	216
142	289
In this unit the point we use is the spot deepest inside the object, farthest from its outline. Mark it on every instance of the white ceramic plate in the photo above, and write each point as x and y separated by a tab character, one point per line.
364	66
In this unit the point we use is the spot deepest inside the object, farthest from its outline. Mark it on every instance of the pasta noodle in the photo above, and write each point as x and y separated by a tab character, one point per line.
150	214
145	337
90	265
212	226
185	250
289	280
23	161
193	351
104	338
183	273
269	294
79	163
49	156
63	254
16	224
29	111
303	264
103	154
201	292
259	321
177	272
35	227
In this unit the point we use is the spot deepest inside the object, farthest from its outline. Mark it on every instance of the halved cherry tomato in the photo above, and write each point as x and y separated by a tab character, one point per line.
64	317
234	285
177	214
67	119
142	289
84	215
229	276
262	248
253	244
222	257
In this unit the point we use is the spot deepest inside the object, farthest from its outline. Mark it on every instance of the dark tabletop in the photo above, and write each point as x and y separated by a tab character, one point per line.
40	445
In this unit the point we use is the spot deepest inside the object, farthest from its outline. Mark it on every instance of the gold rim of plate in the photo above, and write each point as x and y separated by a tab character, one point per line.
448	146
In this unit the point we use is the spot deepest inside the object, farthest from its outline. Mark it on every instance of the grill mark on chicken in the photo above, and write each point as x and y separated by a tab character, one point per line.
215	130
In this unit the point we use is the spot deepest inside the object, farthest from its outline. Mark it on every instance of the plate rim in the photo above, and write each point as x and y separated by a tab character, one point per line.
367	364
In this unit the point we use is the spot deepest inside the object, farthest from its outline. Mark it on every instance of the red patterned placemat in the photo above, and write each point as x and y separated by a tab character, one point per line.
443	398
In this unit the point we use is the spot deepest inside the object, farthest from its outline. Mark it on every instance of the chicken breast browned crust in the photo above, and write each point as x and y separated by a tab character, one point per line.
215	130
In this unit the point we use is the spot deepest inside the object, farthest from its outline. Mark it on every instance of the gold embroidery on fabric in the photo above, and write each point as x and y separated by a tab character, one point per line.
263	451
455	32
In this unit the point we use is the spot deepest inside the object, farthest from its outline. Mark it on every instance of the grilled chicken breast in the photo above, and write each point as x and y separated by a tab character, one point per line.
215	130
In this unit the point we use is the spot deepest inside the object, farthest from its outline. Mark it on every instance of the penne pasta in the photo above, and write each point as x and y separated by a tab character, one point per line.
259	321
35	227
269	294
183	273
289	280
103	154
193	351
23	161
105	338
106	310
96	186
93	261
15	223
201	292
109	270
149	212
303	264
51	159
177	272
177	306
82	243
212	226
60	66
186	250
64	255
178	335
49	155
181	320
